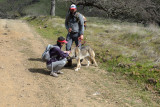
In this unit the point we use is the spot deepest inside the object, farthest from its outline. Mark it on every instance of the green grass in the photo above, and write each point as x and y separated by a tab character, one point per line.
39	8
1	1
139	71
46	28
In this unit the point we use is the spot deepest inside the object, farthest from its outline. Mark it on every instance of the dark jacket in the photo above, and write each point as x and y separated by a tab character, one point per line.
56	54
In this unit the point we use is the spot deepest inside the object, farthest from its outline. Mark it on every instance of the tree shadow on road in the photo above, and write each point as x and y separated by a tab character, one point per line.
39	70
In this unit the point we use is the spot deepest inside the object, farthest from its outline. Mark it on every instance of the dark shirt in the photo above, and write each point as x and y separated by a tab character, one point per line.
56	54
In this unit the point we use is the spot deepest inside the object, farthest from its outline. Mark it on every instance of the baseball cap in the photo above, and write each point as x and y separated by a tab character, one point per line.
73	6
62	40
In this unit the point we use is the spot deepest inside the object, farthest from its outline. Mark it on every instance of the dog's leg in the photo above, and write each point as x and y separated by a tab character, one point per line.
88	60
78	65
94	61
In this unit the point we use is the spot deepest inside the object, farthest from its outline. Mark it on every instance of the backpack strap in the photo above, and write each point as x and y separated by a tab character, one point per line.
77	16
84	18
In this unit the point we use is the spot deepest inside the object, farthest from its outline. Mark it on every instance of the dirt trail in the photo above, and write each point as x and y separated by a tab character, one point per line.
25	81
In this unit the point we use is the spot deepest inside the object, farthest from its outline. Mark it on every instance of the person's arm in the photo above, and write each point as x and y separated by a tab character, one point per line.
66	22
61	53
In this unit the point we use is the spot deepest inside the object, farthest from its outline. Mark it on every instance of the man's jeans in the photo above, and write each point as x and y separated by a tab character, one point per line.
70	38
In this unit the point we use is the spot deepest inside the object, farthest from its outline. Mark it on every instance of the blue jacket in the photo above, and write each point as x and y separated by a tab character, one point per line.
56	54
76	22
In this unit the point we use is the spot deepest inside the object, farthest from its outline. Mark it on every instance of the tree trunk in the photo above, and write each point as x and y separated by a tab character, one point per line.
53	7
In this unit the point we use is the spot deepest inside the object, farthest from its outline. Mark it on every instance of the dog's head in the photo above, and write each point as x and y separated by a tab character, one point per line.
74	52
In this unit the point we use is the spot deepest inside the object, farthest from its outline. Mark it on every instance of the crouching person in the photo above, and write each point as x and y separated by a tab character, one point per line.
57	57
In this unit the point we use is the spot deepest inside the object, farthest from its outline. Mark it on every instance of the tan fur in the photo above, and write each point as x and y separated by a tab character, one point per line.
84	53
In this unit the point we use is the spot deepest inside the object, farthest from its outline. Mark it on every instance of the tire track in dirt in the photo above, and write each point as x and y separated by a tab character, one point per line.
16	83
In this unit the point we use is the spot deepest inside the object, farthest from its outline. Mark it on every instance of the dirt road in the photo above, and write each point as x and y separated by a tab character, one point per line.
25	81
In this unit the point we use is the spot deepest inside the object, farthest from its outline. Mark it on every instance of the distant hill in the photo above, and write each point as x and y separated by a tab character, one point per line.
13	9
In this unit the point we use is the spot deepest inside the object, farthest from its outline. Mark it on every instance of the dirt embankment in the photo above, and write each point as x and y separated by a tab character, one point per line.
25	81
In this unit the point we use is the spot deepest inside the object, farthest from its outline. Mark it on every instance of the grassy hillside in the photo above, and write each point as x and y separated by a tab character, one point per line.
13	9
125	48
39	8
43	8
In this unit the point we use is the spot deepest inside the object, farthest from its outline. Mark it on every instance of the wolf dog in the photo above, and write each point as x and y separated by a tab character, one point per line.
85	52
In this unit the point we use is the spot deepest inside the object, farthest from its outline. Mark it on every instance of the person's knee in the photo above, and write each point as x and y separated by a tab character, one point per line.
64	62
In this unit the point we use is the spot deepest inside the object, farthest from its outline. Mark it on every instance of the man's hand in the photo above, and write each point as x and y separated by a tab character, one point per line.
81	37
69	30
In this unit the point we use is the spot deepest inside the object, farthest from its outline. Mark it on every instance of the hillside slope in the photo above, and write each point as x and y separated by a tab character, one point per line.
18	8
126	48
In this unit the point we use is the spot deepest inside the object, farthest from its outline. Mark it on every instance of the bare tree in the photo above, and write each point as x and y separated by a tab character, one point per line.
52	12
140	11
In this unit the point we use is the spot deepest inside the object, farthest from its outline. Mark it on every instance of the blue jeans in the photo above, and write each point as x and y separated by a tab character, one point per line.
70	38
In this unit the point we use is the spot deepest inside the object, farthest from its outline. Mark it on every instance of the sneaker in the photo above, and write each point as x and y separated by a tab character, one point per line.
54	74
59	72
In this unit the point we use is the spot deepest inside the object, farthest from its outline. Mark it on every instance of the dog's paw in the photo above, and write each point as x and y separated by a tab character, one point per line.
87	65
96	65
76	69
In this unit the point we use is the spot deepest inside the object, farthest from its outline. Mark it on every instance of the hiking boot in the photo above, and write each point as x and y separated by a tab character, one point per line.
54	74
59	72
69	64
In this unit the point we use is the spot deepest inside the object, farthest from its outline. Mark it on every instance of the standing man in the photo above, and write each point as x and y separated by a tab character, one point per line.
74	23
